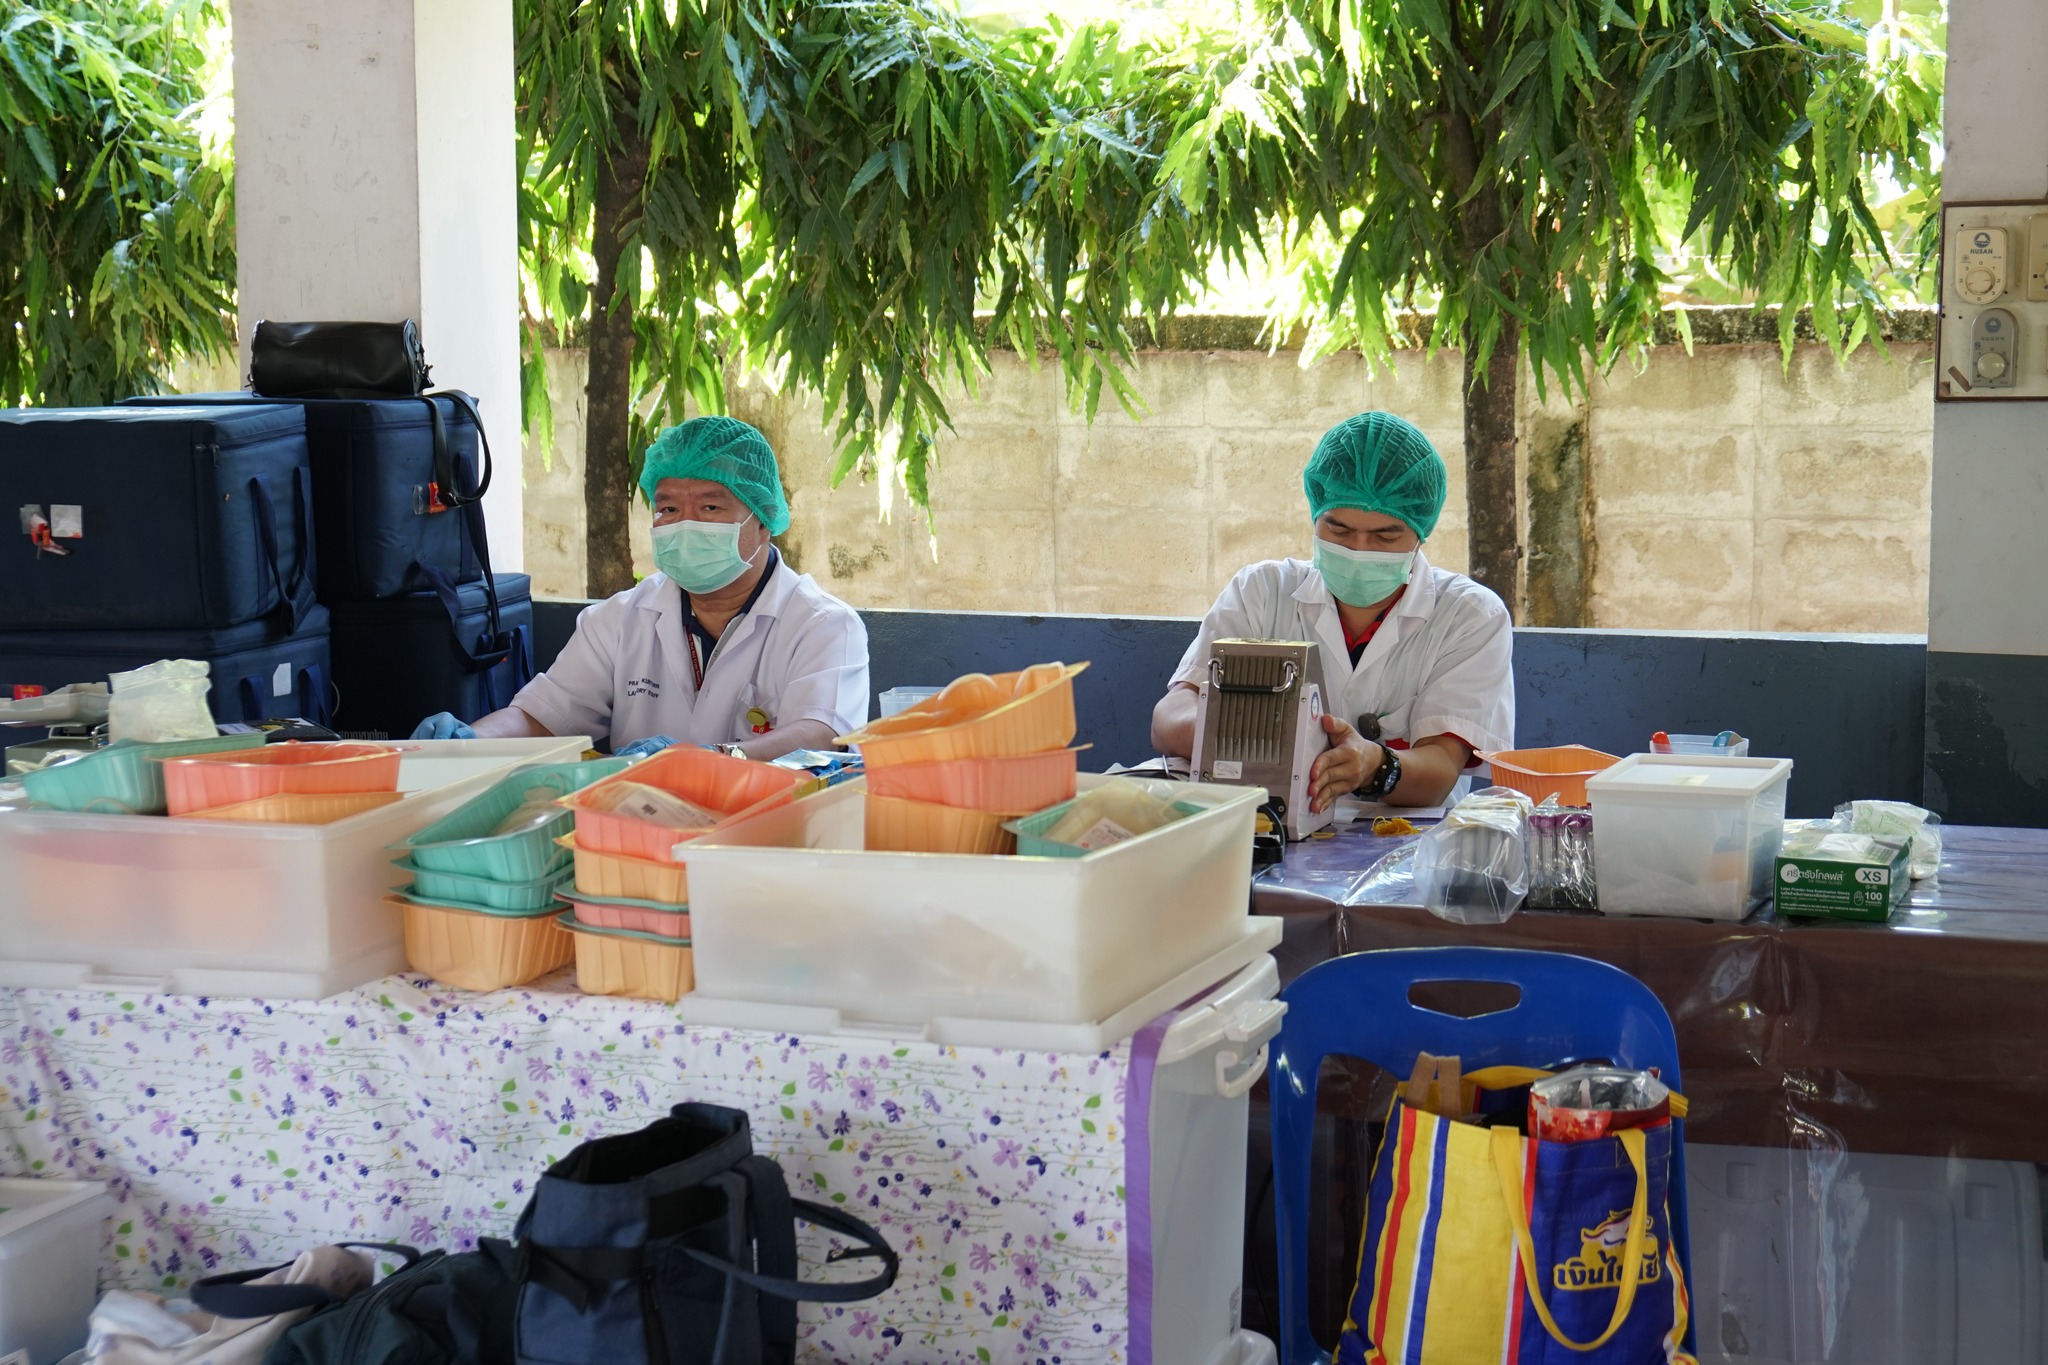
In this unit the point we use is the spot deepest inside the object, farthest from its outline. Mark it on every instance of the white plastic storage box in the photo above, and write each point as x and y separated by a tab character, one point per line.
788	908
1686	836
216	907
51	1234
1811	1255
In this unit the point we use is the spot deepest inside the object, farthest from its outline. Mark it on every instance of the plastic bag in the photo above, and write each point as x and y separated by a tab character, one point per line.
1897	820
1561	857
1473	867
162	701
639	801
537	810
1121	808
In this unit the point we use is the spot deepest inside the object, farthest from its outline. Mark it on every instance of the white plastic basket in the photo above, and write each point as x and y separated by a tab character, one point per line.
51	1233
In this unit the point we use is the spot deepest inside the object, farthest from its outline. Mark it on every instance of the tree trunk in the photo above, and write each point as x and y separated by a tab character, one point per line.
608	393
1491	507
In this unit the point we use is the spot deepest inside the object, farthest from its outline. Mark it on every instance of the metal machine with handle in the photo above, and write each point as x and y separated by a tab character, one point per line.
1259	723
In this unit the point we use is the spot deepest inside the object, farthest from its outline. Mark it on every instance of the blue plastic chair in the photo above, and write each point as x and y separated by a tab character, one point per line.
1571	1009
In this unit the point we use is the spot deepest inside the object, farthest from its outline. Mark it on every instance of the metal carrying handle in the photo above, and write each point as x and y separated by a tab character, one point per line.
1292	676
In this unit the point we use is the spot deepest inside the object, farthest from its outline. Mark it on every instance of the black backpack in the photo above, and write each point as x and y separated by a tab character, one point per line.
674	1245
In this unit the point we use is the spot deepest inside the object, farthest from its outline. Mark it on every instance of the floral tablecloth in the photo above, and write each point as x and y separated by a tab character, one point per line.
238	1133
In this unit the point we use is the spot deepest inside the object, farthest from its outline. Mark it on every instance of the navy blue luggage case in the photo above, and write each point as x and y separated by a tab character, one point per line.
187	518
379	507
255	675
401	660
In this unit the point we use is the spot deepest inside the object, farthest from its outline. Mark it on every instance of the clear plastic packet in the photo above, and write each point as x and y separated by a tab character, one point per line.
1897	820
1561	857
639	801
1473	866
1121	808
537	810
161	702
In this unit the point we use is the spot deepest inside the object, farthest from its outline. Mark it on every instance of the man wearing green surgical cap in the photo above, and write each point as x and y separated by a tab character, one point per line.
726	648
1416	659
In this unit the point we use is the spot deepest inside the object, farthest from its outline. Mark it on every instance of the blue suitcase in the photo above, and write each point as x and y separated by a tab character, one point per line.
167	519
401	660
255	675
380	510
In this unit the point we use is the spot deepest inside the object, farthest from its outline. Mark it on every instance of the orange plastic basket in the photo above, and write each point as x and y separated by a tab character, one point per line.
607	964
733	786
1560	771
298	810
897	826
631	879
1023	785
479	952
204	781
1030	724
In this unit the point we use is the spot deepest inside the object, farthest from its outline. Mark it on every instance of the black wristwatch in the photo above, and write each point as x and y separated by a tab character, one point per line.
1384	778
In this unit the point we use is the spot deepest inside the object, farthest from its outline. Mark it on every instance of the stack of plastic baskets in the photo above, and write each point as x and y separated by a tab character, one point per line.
287	784
480	912
125	778
950	785
629	916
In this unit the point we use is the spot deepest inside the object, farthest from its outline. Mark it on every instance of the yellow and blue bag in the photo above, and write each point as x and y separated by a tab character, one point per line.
1482	1245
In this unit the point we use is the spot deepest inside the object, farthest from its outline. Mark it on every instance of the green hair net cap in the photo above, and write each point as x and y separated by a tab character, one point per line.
727	451
1377	462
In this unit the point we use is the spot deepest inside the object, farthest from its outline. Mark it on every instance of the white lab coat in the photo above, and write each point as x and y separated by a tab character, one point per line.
1442	662
798	654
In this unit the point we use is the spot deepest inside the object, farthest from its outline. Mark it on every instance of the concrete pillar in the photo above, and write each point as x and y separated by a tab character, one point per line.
1987	673
377	178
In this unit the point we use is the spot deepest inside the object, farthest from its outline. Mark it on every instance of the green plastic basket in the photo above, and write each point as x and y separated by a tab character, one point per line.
536	894
1030	831
456	903
125	778
567	919
461	842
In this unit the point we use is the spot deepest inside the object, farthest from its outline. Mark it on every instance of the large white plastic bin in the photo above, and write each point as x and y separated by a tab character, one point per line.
51	1233
787	907
1807	1255
1687	836
205	907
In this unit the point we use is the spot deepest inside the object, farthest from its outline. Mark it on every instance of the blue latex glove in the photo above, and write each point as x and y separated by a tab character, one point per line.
653	744
443	725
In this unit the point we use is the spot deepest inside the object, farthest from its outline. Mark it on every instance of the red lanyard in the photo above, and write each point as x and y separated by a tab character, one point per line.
696	668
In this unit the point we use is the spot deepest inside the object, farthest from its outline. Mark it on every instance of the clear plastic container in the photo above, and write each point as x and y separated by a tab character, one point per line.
788	906
1687	837
125	778
203	781
476	952
1560	771
198	907
1701	745
899	699
51	1233
463	843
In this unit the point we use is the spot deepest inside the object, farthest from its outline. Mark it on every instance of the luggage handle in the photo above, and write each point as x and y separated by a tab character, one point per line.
809	1291
266	539
444	464
233	1296
1507	1161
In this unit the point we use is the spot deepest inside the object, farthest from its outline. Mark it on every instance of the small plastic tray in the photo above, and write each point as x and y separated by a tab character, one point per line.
1031	724
206	780
298	810
462	842
1030	831
1560	771
668	924
535	895
1013	787
125	778
736	786
477	952
611	962
616	877
1701	746
897	826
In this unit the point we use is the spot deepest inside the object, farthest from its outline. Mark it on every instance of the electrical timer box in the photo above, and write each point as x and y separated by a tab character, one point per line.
1992	343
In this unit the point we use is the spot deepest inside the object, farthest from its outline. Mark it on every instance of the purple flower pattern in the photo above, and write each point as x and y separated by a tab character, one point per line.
235	1133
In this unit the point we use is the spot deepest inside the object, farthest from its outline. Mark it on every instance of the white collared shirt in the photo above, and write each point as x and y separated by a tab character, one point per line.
1442	662
798	653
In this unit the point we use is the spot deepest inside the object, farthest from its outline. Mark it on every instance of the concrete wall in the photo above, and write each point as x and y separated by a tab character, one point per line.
1728	492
